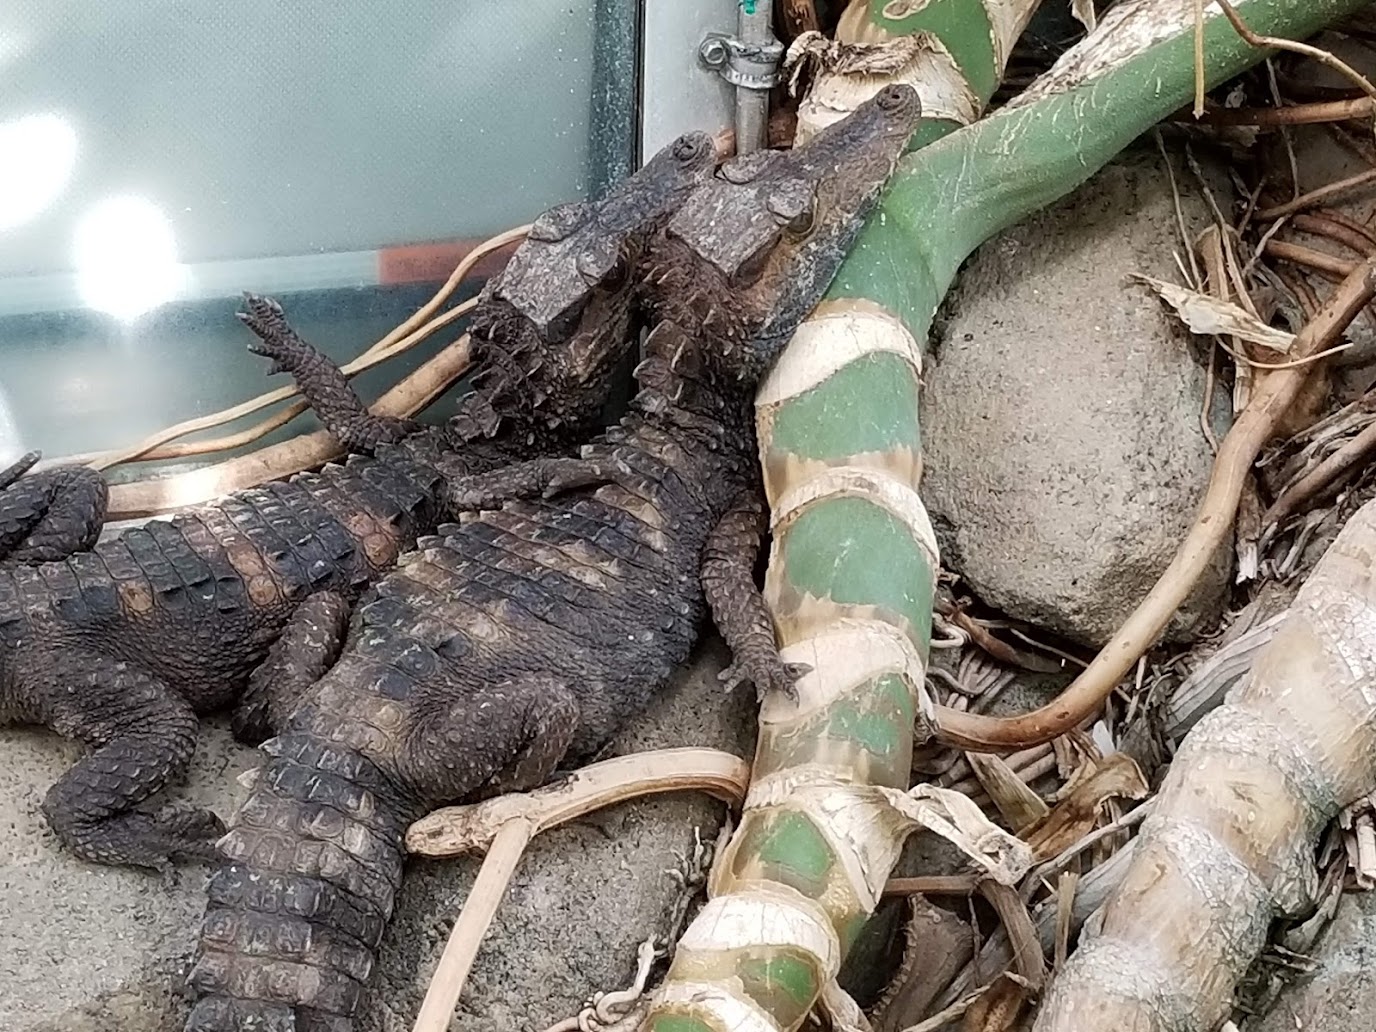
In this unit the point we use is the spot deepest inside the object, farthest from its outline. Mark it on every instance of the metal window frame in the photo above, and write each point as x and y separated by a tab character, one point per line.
678	92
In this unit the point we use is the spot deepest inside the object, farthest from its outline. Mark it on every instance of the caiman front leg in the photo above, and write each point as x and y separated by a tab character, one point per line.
542	477
45	517
142	735
507	738
321	382
738	607
307	647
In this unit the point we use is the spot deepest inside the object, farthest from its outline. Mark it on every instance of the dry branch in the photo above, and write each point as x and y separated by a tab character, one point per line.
503	827
409	396
457	830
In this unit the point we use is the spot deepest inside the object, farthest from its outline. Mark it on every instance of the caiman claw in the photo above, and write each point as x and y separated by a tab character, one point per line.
776	676
21	466
275	338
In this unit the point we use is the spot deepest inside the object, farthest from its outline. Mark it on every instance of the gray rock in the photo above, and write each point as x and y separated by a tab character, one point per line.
1064	457
1341	993
106	950
85	947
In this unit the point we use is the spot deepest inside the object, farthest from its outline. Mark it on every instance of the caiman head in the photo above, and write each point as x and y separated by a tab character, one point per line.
750	253
550	328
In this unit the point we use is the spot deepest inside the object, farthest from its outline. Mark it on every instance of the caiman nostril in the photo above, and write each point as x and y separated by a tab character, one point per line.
691	145
896	96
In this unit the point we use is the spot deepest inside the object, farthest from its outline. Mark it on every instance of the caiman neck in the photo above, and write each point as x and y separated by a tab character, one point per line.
686	392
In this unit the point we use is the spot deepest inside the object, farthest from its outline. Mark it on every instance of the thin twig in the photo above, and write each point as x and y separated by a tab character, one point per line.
1314	197
1047	647
1286	135
1027	775
1359	146
1322	476
427	310
1206	408
1277	43
1059	863
960	777
1249	210
266	426
1331	229
1310	258
1294	364
455	830
933	885
1195	276
415	329
1295	114
437	1009
955	1010
1303	293
1199	74
997	648
1351	224
1217	280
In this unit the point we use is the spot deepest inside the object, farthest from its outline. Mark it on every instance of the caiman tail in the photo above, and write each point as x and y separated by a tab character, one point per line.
296	914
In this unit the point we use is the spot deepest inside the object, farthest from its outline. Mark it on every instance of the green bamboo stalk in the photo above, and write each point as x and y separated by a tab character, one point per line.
957	50
953	52
854	558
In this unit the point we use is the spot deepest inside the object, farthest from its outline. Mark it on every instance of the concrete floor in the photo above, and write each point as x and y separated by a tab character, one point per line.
85	948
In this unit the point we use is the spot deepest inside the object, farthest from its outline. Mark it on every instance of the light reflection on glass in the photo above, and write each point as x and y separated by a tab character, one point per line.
37	155
11	447
126	258
13	45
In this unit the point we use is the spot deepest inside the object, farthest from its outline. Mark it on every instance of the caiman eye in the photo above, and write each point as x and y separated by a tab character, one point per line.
792	203
601	264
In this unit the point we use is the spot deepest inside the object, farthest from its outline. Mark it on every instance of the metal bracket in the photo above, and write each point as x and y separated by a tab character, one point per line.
751	66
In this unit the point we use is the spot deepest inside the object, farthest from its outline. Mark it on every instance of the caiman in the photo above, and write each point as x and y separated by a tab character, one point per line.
520	638
123	643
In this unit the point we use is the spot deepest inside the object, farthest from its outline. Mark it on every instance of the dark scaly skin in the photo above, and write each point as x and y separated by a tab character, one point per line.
728	581
124	644
47	516
525	635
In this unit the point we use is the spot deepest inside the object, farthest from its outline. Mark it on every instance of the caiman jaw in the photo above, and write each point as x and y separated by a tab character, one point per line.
751	252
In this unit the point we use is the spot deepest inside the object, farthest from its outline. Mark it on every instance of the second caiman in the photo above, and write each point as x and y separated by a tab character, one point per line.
123	644
524	636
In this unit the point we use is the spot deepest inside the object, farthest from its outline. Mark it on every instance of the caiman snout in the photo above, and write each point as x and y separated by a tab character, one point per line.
690	148
898	98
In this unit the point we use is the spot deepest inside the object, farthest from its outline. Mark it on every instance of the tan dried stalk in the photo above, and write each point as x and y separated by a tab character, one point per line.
1229	844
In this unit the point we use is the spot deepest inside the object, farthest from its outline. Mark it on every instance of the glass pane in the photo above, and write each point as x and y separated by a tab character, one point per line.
157	158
